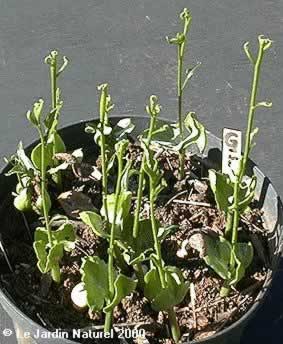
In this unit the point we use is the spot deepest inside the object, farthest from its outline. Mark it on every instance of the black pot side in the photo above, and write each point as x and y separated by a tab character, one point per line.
269	202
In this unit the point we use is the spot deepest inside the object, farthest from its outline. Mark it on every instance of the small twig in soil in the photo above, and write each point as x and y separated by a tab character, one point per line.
169	164
41	319
5	254
82	250
193	303
247	222
196	215
200	204
176	196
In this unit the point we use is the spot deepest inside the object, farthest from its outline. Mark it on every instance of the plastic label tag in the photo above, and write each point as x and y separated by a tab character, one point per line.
231	152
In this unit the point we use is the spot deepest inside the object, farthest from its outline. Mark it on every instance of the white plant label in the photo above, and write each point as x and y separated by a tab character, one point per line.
231	151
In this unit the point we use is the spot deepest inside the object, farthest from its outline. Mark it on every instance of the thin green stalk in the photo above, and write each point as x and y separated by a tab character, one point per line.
104	120
141	181
55	272
180	102
252	107
229	225
108	321
53	80
175	330
155	237
107	325
53	84
180	41
43	186
104	173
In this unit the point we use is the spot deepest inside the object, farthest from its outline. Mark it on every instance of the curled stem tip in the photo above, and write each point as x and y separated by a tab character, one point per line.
264	42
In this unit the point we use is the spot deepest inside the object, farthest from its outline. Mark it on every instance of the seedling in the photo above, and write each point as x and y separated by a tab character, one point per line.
180	41
48	245
105	287
227	256
164	285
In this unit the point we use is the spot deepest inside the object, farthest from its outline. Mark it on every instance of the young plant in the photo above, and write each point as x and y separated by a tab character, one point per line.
56	105
105	287
48	245
227	256
180	41
164	285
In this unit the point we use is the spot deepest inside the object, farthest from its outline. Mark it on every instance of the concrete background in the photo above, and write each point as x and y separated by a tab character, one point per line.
123	42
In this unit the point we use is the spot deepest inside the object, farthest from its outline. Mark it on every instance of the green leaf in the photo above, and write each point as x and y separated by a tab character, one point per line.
94	276
123	286
65	235
217	255
247	192
174	292
197	134
34	116
51	119
138	249
222	188
49	256
26	162
23	201
95	222
36	156
124	127
58	144
218	252
40	246
123	209
54	256
243	254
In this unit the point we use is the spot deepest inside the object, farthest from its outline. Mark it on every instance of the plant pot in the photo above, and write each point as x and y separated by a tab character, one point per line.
269	201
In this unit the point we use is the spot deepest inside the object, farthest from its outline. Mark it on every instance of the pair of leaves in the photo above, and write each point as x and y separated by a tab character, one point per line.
95	278
169	136
223	189
134	251
174	292
113	135
49	254
123	208
152	170
21	163
138	250
217	253
75	157
53	146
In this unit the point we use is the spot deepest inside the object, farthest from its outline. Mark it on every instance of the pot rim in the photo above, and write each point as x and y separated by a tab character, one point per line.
258	301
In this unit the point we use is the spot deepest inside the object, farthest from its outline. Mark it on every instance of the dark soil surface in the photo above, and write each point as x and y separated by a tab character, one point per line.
188	204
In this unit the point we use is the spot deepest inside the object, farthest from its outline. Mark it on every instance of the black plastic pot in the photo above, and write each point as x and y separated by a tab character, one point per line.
269	201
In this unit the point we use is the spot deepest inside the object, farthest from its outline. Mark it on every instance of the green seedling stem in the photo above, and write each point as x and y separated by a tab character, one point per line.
234	216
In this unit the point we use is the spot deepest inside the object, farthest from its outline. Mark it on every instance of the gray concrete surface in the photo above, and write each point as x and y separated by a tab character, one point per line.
123	42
